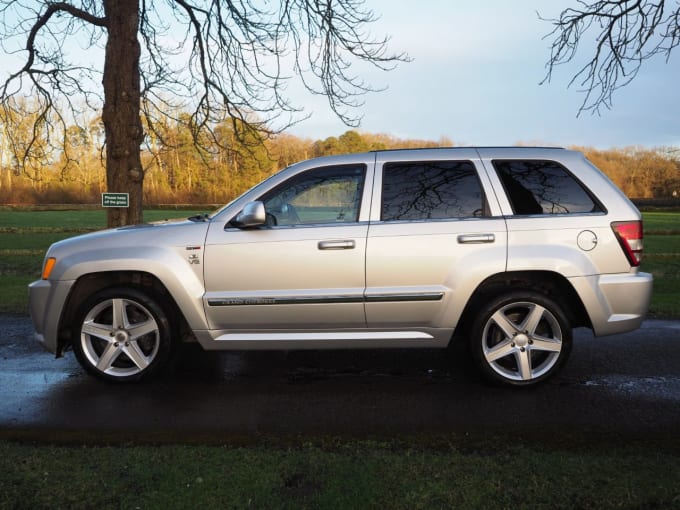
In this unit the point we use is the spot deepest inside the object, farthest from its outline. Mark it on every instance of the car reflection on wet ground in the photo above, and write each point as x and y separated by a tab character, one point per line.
621	386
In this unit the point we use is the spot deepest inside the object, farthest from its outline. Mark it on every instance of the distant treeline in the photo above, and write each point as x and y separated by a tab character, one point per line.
176	172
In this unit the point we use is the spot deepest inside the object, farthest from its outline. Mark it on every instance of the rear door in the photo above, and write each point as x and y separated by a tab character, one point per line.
435	233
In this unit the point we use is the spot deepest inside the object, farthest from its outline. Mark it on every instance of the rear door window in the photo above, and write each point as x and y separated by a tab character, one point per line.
430	191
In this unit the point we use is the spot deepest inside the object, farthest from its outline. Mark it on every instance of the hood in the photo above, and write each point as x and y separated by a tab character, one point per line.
161	233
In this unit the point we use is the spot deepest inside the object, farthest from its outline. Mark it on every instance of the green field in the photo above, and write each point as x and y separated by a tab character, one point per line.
26	235
346	474
662	258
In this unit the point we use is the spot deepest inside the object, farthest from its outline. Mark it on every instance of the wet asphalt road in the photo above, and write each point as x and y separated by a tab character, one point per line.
623	387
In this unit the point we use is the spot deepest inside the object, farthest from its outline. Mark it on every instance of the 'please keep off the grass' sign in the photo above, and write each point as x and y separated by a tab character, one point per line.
115	200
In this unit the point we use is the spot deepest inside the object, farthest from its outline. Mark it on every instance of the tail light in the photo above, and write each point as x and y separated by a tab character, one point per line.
629	234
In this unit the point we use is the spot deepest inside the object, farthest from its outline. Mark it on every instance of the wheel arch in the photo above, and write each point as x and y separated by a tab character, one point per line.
549	283
88	284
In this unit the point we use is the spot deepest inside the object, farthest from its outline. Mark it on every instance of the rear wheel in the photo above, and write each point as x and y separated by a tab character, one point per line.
520	338
122	335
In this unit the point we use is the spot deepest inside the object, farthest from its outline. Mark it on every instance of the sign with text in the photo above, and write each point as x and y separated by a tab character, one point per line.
115	200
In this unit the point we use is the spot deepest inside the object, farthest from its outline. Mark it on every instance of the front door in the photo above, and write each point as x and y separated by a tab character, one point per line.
305	269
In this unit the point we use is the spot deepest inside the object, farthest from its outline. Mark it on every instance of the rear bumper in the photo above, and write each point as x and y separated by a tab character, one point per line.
616	303
46	299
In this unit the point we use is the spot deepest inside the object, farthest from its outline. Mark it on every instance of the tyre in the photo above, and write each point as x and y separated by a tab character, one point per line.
520	338
122	335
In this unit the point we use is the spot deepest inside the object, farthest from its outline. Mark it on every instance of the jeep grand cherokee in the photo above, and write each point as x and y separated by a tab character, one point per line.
505	249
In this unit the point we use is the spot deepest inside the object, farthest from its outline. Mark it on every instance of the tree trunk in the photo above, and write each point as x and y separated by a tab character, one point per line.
122	123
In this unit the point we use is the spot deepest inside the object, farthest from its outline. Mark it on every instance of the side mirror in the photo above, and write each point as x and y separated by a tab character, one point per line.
252	215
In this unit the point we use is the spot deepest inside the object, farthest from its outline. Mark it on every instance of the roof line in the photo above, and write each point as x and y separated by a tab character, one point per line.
467	147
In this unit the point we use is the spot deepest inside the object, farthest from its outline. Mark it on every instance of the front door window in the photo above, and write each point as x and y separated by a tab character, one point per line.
321	196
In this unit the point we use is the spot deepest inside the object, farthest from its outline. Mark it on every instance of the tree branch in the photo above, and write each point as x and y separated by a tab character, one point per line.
627	32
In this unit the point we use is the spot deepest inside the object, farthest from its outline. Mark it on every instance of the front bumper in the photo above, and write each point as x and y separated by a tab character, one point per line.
46	300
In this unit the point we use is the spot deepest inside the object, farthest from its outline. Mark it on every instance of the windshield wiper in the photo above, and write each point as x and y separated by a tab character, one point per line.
199	217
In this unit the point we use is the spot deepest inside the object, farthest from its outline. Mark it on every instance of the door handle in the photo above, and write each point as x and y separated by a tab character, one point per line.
337	245
476	238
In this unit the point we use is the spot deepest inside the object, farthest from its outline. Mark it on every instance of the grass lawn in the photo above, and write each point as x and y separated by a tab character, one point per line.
344	474
662	258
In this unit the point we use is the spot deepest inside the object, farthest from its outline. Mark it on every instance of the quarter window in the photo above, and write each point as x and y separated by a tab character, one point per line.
543	187
431	190
323	195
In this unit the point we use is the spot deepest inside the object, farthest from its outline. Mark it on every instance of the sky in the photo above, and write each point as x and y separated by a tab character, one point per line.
475	78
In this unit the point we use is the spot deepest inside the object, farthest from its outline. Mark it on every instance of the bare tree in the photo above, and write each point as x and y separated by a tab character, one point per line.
219	59
626	32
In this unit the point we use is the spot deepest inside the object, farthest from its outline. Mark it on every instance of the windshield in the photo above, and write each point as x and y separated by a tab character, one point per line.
260	184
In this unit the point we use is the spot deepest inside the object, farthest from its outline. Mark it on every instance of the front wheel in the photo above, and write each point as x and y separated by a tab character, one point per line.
520	338
122	335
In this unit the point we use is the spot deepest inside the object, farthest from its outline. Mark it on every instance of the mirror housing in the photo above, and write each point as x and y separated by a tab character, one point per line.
252	215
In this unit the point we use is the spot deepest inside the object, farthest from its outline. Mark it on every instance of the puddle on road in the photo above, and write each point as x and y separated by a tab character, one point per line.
660	324
661	387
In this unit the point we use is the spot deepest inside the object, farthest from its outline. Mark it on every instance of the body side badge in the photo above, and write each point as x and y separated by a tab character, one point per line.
193	256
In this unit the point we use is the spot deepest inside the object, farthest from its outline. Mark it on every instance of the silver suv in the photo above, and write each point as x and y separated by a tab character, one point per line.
505	249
